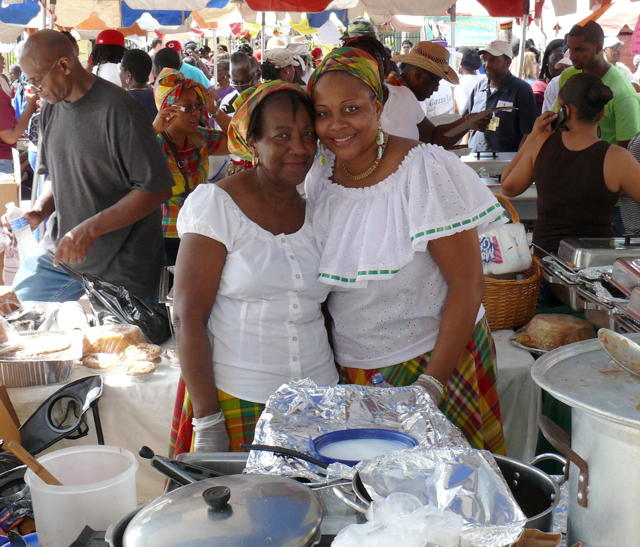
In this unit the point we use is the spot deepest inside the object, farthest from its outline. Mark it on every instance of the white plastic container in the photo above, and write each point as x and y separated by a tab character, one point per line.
27	242
99	488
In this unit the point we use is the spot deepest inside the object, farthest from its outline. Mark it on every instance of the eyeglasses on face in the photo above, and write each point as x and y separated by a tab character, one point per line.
38	88
192	108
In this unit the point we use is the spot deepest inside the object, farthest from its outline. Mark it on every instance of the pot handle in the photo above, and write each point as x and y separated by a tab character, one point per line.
349	499
561	441
555	457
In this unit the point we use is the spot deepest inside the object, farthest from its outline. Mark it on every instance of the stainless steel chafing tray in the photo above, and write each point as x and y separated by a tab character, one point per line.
595	251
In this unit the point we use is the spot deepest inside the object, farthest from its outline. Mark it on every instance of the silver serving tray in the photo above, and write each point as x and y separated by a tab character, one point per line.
596	251
52	369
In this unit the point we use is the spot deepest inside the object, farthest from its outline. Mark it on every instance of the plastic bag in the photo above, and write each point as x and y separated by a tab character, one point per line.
112	305
505	250
402	519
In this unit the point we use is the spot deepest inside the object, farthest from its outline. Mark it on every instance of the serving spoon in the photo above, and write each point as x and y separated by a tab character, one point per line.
624	351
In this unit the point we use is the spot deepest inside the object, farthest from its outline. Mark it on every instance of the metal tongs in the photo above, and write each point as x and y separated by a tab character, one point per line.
567	271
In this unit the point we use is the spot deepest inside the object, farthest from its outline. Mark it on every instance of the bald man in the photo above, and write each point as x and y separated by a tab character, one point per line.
107	180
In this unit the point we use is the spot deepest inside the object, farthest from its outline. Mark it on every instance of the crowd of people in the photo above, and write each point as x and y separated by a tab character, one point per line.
332	248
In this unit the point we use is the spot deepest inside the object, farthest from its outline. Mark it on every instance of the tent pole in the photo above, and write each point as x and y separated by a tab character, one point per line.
53	13
262	36
523	41
215	55
452	18
44	14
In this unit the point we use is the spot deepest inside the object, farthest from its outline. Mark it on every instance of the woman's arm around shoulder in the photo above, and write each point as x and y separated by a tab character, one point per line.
518	175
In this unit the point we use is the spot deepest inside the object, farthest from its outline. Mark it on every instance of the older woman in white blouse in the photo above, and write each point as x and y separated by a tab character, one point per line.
247	296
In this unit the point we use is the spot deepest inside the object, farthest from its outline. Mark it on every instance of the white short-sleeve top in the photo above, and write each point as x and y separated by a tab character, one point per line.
401	113
388	292
266	325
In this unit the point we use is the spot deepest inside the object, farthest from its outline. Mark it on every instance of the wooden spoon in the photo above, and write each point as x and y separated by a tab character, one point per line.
35	466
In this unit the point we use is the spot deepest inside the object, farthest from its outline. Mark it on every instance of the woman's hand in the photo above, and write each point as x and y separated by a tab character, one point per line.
543	123
210	433
211	98
165	118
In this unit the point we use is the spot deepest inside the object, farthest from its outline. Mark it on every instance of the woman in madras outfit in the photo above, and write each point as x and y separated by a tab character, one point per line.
247	295
397	224
187	140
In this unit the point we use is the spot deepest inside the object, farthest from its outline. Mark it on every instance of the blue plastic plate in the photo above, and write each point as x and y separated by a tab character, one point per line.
386	436
31	539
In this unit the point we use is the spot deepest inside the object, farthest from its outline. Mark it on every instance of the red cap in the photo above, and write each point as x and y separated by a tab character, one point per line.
173	44
110	38
316	52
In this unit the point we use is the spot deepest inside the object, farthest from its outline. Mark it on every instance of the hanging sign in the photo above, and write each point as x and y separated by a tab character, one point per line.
470	31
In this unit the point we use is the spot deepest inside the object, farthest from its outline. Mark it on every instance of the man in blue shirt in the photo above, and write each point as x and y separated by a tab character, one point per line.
192	72
505	130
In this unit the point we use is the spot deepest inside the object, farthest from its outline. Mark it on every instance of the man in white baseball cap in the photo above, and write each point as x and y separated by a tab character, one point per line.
612	52
501	89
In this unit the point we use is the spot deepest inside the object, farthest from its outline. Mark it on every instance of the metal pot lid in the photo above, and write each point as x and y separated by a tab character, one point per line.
583	376
243	511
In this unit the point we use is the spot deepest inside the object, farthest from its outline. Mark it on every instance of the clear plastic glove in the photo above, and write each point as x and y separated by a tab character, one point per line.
210	434
431	386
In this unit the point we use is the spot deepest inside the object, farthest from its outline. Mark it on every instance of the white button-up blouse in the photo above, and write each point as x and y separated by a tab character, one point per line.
266	325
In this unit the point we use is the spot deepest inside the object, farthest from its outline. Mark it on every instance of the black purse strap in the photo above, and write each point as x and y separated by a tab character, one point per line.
179	162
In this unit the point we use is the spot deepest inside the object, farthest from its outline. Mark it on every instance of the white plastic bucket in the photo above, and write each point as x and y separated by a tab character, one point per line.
98	488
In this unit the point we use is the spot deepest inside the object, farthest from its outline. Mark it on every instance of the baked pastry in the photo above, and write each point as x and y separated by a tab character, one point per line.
44	344
143	352
111	338
550	331
9	301
139	370
100	361
5	328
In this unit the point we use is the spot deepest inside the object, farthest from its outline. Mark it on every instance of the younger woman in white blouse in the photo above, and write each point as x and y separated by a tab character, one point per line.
247	295
397	222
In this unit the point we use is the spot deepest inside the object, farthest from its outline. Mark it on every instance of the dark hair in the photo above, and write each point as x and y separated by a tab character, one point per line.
69	36
224	64
372	46
587	94
270	72
544	67
407	42
297	99
591	31
190	60
138	63
102	53
246	49
167	58
223	47
515	47
155	42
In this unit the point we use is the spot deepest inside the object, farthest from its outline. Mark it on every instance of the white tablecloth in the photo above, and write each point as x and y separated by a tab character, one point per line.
520	398
132	414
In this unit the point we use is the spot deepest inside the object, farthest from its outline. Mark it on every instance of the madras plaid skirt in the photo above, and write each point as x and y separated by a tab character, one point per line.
241	419
470	397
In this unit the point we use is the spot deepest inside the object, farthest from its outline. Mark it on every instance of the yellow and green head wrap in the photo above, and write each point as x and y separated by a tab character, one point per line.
245	106
353	61
170	85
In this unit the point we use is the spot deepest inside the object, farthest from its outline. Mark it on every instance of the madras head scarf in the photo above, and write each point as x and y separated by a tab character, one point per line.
169	86
245	106
353	61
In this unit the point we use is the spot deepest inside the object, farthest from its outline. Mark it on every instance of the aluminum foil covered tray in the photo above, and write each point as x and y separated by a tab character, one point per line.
19	370
301	411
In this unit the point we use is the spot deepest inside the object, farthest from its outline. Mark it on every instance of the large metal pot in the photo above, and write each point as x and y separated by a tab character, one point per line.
536	493
238	510
604	448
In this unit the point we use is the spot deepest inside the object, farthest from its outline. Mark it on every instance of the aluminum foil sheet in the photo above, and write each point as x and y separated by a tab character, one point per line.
605	296
462	480
301	411
595	273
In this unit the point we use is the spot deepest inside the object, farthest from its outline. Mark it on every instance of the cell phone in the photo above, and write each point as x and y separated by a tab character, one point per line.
560	121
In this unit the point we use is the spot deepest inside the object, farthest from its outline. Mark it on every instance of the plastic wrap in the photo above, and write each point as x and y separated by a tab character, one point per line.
301	411
111	338
464	481
9	301
550	331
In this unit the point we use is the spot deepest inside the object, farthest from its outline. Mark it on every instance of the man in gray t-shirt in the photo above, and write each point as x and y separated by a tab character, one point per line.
108	178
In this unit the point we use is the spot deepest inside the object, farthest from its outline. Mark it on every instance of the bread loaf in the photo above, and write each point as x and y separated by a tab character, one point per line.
111	338
550	331
9	301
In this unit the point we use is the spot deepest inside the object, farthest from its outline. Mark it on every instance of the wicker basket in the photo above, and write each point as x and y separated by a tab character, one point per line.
511	303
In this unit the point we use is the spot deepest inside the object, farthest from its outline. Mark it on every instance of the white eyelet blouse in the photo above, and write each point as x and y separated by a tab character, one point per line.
388	292
266	323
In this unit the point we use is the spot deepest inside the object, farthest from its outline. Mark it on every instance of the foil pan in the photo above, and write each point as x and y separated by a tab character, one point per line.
50	369
464	481
301	411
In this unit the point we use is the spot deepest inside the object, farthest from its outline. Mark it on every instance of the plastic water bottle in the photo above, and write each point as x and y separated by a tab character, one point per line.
378	380
27	243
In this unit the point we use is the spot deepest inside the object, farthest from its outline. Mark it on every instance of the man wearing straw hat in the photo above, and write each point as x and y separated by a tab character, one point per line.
506	129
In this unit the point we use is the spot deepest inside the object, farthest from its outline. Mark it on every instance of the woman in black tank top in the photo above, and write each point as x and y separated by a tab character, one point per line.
578	176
